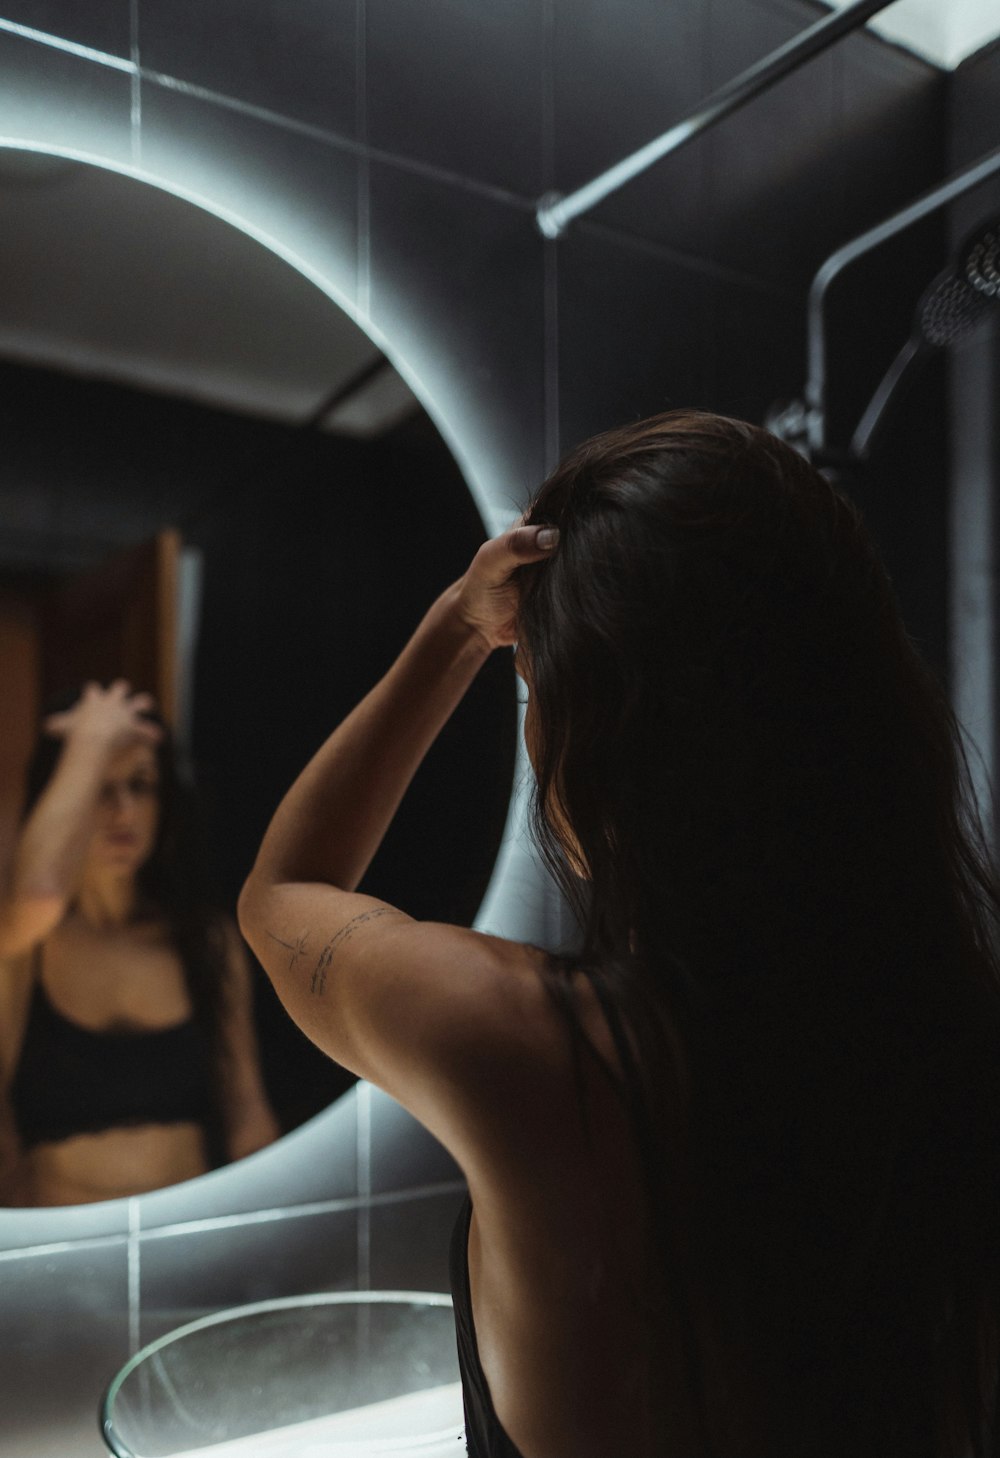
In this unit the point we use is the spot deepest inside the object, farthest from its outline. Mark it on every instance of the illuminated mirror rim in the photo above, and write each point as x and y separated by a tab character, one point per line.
480	496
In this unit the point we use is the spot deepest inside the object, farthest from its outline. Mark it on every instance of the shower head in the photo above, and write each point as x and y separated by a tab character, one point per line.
980	258
949	309
961	296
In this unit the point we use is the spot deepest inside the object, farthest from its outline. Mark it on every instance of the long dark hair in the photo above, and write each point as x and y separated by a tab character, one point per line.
176	883
791	920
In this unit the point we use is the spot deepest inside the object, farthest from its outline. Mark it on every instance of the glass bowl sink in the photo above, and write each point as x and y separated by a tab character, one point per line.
347	1374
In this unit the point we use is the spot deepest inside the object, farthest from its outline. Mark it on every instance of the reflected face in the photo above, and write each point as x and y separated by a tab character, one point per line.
128	812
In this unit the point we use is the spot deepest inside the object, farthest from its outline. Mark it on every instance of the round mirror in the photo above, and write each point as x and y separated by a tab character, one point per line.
217	486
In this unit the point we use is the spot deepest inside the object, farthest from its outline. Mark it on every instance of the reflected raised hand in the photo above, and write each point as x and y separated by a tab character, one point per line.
112	718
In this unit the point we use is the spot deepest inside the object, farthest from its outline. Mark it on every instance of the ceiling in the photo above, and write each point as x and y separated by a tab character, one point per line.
942	31
106	277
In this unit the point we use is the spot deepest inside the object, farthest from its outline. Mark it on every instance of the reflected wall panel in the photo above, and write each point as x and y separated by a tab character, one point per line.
299	60
633	325
620	79
52	98
460	87
64	1332
457	287
185	1273
297	189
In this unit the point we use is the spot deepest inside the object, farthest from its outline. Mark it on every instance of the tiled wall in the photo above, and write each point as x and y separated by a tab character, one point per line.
359	1199
395	151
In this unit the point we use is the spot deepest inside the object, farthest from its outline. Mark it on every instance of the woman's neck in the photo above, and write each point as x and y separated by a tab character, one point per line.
107	902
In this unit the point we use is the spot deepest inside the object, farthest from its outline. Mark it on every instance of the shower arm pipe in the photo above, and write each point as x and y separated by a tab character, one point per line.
922	207
553	212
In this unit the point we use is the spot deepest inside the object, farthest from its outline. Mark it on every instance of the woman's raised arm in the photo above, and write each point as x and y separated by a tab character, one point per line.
53	841
376	991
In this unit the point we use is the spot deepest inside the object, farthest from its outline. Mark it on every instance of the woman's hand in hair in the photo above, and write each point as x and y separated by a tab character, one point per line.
110	718
488	593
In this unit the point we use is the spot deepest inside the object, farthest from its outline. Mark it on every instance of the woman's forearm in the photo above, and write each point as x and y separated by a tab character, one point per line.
54	839
50	851
332	820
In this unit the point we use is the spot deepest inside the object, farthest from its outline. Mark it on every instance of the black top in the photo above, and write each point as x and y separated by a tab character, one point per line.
73	1080
484	1436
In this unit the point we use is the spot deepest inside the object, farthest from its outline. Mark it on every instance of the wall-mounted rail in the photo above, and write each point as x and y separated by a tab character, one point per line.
554	212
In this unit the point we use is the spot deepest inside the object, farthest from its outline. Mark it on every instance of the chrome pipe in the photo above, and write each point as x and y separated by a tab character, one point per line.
555	212
929	202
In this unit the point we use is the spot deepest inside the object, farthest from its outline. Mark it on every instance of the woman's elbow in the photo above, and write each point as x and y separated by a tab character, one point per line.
248	908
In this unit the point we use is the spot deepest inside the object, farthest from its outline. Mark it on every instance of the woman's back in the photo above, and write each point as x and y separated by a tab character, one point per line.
558	1258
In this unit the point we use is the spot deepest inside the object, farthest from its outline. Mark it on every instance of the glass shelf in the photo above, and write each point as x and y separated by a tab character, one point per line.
347	1374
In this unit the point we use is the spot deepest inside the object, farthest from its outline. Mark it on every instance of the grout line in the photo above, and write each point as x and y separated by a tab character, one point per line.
694	263
248	108
550	348
133	1258
229	1222
136	116
548	94
364	1116
294	1212
364	251
72	48
64	1247
412	165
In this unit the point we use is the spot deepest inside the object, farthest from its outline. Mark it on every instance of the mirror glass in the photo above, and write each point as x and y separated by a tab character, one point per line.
215	485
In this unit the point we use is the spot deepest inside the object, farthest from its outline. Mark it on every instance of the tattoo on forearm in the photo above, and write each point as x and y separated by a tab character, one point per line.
296	948
318	982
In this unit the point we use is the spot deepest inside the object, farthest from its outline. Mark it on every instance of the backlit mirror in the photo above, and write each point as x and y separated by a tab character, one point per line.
214	483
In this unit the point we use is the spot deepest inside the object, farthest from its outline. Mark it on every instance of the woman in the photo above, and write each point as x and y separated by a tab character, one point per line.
733	1166
127	1048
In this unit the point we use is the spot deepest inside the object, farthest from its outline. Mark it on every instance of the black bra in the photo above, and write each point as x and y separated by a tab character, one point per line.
484	1436
74	1080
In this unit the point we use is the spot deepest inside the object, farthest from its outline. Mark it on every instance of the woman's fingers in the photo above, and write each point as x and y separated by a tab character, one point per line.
489	593
519	545
57	724
113	714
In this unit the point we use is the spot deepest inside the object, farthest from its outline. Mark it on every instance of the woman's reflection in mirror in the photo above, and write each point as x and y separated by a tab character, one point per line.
127	1046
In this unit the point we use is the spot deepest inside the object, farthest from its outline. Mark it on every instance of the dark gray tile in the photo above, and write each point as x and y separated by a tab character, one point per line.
621	80
409	1243
457	291
403	1153
775	169
892	125
459	86
973	110
297	58
314	1163
757	345
63	1333
25	1228
632	334
187	1274
51	98
104	25
300	192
